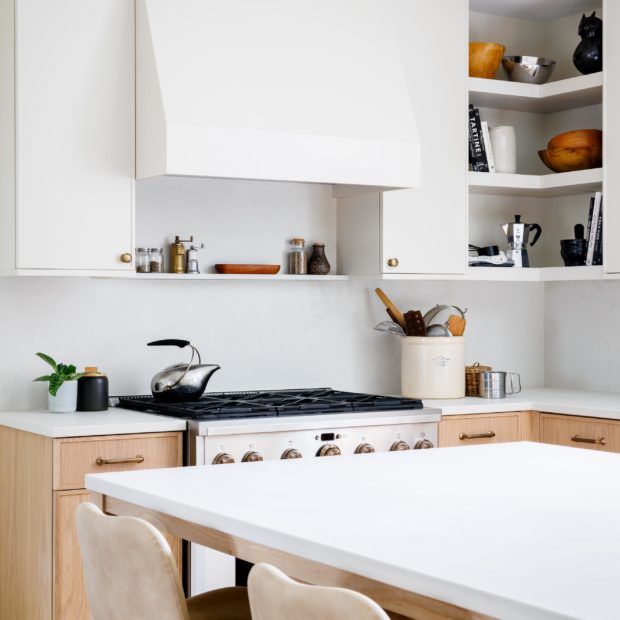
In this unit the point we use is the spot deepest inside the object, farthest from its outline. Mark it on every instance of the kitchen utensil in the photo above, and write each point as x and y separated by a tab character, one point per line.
181	382
438	331
456	325
177	254
504	146
192	259
400	319
570	159
390	327
528	69
246	269
414	323
431	316
577	138
484	59
573	252
493	384
517	234
489	250
471	378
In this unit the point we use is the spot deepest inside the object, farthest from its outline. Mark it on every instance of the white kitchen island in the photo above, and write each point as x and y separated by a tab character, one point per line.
511	531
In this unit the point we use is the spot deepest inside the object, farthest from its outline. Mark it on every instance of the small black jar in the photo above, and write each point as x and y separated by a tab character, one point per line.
92	393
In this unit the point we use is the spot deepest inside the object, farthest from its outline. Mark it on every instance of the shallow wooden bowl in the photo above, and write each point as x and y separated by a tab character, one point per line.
577	138
247	269
570	159
484	59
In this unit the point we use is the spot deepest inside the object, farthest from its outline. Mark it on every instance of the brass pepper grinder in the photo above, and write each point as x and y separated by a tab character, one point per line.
177	254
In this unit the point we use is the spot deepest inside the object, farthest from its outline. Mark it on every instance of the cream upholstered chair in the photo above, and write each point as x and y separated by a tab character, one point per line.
273	596
131	573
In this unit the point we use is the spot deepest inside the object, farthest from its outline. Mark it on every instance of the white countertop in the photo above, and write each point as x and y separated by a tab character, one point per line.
549	400
112	422
515	531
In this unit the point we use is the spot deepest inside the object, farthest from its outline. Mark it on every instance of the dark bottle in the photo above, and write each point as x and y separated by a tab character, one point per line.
588	57
92	393
318	265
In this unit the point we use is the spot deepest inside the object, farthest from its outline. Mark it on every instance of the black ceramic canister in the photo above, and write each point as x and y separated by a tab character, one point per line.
92	393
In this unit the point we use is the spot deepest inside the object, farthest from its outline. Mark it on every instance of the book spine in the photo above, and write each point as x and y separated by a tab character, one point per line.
476	153
589	225
598	242
483	165
593	228
470	142
486	140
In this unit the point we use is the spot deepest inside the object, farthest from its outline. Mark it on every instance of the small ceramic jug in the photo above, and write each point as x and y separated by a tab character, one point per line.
504	145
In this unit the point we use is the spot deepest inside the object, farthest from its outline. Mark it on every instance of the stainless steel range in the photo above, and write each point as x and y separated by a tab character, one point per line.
244	427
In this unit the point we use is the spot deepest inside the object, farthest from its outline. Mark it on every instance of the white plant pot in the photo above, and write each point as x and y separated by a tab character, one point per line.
65	400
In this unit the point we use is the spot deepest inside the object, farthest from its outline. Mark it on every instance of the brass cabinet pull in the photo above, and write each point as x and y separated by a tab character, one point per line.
126	257
135	459
488	435
601	441
392	262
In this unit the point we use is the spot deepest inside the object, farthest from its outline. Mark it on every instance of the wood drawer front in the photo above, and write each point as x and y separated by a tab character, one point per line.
590	433
496	429
77	456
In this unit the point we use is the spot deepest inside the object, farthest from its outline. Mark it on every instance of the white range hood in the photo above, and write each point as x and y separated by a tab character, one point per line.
287	90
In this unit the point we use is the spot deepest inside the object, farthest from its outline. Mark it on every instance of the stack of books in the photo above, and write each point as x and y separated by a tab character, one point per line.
480	151
594	231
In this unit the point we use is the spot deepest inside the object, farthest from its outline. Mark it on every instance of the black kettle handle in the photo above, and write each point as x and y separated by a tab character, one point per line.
538	230
171	342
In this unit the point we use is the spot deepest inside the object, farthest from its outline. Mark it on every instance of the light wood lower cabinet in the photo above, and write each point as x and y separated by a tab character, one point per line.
591	433
41	485
472	429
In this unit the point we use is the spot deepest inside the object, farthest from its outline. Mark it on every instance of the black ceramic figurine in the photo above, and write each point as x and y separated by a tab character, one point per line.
588	57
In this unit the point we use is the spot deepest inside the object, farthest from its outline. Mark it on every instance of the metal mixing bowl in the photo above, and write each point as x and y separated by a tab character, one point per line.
528	69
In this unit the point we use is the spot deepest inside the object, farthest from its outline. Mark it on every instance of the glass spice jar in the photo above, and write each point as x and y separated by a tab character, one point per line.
156	260
318	265
297	257
142	260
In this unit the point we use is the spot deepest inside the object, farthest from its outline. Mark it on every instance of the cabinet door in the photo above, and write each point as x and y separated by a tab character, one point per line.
425	228
75	133
611	127
591	433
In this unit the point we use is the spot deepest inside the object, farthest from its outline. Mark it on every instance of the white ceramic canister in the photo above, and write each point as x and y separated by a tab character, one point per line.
432	367
65	400
504	145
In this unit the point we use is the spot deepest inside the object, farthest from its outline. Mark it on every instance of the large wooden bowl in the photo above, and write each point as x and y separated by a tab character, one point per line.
570	159
577	138
484	59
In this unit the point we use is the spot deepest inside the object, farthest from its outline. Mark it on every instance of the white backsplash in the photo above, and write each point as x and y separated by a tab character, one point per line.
263	334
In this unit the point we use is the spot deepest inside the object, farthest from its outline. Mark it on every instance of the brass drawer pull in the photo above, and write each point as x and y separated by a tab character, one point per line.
488	435
600	442
136	459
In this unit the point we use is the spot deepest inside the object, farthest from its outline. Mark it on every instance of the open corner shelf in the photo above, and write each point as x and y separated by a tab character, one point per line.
543	274
541	185
565	94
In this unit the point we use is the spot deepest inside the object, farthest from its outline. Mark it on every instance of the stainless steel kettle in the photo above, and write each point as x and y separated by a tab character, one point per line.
181	382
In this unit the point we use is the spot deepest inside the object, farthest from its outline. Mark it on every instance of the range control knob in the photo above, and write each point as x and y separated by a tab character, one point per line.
223	459
397	446
251	457
364	448
423	444
291	453
329	449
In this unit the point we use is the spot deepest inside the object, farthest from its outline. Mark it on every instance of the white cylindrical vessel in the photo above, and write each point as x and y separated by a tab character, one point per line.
504	145
432	367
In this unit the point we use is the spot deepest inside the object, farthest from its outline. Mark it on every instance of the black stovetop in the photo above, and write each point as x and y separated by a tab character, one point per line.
271	403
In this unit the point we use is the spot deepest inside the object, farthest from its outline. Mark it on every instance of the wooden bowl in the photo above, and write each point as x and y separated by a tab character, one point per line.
570	159
484	59
577	138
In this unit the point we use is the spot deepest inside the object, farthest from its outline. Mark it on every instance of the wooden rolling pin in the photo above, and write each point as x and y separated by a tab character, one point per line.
398	315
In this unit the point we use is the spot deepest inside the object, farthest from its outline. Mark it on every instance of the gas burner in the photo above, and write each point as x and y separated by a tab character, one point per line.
271	403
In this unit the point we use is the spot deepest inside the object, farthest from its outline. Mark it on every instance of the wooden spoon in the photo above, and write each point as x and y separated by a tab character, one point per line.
456	325
398	315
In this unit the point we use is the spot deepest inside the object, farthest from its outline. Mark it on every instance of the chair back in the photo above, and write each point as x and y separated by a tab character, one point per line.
274	596
129	569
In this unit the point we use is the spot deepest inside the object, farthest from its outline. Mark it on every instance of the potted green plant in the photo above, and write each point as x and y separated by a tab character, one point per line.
62	393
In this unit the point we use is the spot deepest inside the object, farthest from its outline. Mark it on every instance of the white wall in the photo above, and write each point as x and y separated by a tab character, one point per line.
582	339
263	334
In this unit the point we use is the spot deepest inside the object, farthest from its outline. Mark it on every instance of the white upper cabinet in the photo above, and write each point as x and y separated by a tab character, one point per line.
67	200
283	90
421	230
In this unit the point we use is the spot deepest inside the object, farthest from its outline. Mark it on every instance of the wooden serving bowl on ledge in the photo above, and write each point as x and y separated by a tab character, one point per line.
484	59
577	138
570	159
